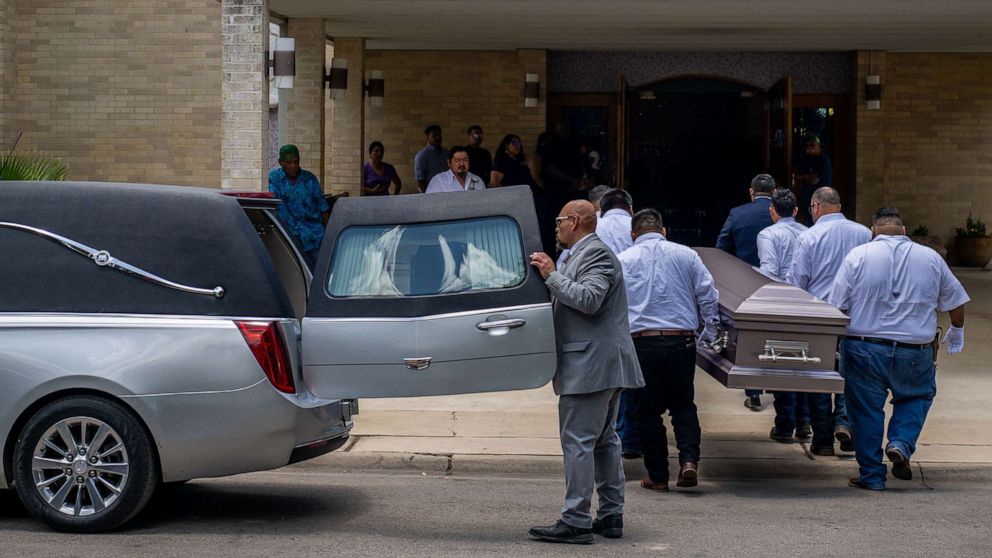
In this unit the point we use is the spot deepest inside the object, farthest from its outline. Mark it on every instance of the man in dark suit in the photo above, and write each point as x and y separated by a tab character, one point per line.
739	237
596	360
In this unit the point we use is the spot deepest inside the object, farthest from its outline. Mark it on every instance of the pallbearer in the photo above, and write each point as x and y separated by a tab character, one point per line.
891	288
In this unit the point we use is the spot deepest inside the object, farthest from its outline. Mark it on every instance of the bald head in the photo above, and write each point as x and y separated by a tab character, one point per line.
586	213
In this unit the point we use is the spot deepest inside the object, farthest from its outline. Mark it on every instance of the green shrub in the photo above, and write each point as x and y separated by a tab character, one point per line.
973	228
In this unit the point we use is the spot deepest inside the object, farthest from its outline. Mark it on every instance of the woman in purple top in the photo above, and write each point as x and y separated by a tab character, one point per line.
378	175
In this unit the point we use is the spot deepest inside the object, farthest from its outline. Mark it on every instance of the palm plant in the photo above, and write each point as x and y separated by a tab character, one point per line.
32	166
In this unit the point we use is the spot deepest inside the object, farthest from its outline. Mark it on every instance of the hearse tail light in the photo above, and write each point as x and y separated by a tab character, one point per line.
266	344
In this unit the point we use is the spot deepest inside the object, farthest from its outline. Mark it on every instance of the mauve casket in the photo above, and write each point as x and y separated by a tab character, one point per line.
776	336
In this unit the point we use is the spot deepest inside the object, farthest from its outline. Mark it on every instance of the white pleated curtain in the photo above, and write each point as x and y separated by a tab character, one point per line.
466	255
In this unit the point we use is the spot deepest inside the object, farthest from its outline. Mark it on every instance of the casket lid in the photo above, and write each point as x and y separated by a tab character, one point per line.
748	295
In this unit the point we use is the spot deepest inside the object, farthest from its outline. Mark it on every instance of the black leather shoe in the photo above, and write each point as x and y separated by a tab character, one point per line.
825	450
609	526
804	432
900	463
562	532
632	455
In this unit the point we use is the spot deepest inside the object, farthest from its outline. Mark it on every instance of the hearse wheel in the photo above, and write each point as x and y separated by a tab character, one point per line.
84	464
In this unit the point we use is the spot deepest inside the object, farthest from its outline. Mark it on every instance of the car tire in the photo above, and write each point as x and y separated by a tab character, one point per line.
84	464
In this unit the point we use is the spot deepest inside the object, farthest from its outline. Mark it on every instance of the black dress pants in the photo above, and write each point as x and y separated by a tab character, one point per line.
669	367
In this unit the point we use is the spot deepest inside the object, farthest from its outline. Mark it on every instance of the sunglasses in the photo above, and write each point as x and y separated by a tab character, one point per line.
516	142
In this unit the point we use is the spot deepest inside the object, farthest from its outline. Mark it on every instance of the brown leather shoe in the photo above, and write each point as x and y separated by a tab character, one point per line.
688	475
646	482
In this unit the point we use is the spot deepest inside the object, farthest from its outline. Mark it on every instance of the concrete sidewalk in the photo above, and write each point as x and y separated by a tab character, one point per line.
517	432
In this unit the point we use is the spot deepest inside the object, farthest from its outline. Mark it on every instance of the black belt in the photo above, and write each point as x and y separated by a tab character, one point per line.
663	332
889	342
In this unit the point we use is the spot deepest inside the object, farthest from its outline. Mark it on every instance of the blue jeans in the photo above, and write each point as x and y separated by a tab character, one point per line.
872	372
630	437
791	410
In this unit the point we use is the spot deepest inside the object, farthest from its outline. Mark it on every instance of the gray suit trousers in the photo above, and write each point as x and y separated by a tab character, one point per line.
591	449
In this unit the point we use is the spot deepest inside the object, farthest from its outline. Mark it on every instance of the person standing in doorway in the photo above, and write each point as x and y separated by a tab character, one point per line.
432	160
303	208
812	171
596	360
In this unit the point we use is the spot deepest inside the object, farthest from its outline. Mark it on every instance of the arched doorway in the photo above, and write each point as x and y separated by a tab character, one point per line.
693	145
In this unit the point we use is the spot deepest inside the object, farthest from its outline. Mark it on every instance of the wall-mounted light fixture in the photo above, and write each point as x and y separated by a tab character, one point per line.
284	62
873	86
375	88
873	92
532	90
337	78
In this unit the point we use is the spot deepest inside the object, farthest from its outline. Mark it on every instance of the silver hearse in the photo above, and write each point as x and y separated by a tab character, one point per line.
154	334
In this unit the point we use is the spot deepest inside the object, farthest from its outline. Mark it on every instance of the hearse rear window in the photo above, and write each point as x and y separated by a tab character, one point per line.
427	259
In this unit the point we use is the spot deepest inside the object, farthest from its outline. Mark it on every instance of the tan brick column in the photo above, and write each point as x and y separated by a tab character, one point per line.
871	137
347	128
245	94
305	118
6	72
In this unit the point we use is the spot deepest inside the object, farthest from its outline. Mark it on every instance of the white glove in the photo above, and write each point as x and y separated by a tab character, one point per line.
954	339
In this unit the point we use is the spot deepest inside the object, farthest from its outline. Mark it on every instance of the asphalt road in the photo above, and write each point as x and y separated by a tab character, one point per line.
303	513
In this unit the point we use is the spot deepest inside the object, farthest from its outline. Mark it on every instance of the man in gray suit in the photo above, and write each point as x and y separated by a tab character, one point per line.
596	360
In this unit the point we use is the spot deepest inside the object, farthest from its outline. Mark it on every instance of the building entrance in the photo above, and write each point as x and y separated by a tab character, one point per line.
693	145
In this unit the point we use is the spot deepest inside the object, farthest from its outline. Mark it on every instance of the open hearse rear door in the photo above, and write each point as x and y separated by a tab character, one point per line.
429	295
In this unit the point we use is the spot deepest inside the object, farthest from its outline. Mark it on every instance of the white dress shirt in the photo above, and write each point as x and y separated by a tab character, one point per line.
667	286
891	288
613	228
776	246
446	182
820	251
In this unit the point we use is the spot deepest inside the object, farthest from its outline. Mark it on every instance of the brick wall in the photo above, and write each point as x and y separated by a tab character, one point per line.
122	91
928	151
453	90
6	69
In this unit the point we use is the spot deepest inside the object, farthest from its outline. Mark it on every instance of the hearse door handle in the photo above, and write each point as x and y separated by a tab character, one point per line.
500	327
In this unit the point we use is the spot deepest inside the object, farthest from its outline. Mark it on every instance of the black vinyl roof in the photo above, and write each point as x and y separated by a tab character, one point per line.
191	236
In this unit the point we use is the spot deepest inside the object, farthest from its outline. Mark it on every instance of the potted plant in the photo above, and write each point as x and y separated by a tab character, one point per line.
973	243
33	166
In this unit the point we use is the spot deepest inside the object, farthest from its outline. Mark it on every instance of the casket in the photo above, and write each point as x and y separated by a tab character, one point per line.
774	336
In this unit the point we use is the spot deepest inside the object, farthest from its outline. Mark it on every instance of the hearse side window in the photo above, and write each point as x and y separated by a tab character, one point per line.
427	259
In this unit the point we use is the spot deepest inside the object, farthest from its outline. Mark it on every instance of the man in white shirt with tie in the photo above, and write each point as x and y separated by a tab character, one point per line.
819	253
668	289
892	288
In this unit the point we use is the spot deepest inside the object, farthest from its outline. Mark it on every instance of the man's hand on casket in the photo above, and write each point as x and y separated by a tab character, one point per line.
709	335
954	339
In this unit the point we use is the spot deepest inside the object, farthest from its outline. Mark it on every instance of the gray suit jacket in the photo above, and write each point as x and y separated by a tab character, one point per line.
595	351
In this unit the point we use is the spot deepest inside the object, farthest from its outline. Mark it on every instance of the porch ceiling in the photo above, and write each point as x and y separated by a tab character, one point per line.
657	25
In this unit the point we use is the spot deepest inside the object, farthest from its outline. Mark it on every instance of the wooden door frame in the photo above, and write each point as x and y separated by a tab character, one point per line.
559	101
842	152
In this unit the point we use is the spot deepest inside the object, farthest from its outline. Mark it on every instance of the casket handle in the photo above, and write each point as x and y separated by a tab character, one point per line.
788	351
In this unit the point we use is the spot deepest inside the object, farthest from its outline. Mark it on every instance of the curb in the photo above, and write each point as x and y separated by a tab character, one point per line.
712	468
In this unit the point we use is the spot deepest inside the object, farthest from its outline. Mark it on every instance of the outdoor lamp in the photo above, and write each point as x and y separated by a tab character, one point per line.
375	88
532	90
873	92
337	78
284	62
